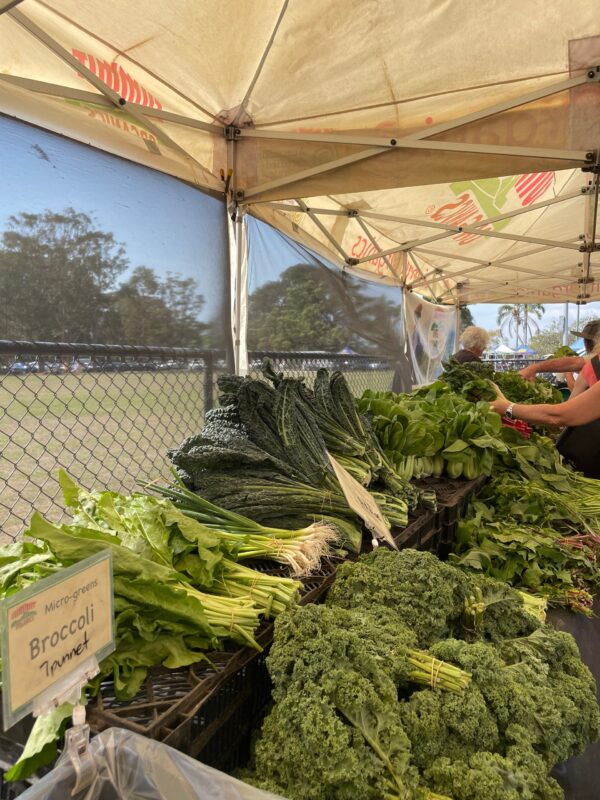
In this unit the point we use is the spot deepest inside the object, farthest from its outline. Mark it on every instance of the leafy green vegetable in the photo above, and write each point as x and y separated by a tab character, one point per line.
178	589
432	430
350	720
268	456
42	745
474	380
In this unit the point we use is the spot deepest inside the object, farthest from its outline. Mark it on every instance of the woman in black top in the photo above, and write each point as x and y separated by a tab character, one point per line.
474	344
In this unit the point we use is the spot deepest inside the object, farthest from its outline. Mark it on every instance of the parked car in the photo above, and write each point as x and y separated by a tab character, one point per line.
19	368
55	367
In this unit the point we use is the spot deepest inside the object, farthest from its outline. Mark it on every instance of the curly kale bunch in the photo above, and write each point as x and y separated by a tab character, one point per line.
484	713
338	739
431	598
520	775
426	594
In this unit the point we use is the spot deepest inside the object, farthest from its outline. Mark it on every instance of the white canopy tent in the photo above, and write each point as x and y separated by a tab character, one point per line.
372	131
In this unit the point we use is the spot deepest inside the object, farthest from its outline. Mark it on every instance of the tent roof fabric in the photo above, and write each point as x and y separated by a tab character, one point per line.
355	126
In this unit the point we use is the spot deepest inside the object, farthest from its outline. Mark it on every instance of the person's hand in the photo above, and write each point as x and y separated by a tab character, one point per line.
499	405
498	391
528	373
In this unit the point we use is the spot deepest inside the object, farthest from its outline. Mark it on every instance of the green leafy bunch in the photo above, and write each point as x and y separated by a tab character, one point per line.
478	380
434	431
352	719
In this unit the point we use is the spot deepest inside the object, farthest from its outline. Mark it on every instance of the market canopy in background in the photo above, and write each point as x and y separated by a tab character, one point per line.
354	127
504	350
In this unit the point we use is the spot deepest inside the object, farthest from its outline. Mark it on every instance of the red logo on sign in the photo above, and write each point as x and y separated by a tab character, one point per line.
117	79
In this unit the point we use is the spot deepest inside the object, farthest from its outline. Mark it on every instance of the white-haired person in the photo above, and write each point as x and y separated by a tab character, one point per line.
474	342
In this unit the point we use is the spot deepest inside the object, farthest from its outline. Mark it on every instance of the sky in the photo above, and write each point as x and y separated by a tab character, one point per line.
163	223
485	314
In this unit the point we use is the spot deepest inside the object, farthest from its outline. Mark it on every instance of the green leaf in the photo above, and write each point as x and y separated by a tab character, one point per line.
41	746
456	447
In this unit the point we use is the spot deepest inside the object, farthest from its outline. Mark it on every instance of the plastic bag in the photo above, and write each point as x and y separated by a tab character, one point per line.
131	767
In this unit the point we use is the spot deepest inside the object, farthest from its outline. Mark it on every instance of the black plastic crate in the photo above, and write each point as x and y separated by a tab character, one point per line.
10	751
418	533
453	497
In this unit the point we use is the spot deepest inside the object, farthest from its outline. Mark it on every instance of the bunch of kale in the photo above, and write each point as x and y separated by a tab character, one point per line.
351	719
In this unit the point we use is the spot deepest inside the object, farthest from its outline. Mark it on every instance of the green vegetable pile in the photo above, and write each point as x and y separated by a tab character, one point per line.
419	682
537	522
474	381
536	525
180	590
564	352
264	453
434	431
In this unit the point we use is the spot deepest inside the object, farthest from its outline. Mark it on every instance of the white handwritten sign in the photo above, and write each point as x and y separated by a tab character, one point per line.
362	503
52	628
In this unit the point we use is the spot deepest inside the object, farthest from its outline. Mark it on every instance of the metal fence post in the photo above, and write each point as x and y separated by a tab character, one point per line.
209	378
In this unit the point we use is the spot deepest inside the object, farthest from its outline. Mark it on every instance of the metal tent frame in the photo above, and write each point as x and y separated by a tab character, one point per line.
441	274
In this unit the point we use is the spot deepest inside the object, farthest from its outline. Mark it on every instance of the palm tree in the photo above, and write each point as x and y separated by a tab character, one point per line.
521	316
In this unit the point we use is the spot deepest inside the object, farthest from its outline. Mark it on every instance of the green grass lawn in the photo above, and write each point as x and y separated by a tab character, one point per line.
108	430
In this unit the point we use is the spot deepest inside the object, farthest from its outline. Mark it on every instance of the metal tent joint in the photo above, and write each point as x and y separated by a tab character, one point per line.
352	262
593	74
232	133
352	213
590	247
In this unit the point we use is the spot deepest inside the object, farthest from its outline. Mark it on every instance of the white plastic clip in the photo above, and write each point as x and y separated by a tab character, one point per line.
77	745
374	543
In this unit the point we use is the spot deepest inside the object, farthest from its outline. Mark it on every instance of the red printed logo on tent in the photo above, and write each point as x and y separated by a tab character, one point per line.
483	199
117	79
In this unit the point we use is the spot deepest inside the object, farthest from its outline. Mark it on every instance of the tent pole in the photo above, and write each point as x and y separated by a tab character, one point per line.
457	328
566	330
239	233
591	75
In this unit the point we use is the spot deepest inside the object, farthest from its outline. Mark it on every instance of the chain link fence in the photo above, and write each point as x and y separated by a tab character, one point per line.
362	372
106	414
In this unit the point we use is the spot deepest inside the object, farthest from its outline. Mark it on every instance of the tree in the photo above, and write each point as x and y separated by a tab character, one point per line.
466	318
58	280
55	271
548	339
160	312
314	308
513	319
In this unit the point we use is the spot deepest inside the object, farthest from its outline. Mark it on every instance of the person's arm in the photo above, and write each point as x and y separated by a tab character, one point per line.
566	364
580	386
578	410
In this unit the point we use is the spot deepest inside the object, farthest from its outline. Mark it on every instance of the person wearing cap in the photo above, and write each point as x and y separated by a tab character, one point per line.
591	339
474	344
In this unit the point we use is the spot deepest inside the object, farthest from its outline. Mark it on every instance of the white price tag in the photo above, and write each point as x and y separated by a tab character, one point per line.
361	502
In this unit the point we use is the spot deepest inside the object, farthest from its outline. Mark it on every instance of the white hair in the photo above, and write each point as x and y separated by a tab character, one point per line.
474	338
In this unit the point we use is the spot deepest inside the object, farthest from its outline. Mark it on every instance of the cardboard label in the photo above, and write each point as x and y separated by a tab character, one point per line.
362	503
52	628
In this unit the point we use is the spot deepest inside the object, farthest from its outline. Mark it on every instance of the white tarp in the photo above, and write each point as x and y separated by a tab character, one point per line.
430	335
346	106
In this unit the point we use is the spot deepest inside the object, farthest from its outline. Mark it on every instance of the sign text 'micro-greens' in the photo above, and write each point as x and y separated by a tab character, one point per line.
52	628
